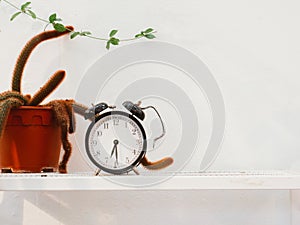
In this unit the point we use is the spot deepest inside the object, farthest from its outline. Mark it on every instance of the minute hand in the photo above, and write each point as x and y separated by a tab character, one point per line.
115	149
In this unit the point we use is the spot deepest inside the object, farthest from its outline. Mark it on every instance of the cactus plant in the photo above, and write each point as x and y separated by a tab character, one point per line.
62	108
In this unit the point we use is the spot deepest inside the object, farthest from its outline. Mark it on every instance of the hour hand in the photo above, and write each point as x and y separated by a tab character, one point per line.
114	149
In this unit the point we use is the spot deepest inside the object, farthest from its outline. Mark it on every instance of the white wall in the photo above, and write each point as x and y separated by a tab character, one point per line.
251	47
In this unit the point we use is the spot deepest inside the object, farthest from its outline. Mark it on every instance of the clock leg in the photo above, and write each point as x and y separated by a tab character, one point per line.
97	172
135	170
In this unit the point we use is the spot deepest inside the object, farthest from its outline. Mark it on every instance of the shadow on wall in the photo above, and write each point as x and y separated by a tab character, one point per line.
11	208
145	207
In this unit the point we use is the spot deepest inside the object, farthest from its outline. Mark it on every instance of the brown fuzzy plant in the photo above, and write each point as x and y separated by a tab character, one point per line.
63	112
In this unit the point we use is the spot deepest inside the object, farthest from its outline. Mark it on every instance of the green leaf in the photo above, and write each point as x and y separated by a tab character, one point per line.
139	35
113	33
150	36
24	6
52	18
84	33
14	16
74	34
59	27
32	14
149	30
108	44
114	41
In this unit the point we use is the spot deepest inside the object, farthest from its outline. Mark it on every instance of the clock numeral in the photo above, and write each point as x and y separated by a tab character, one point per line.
105	125
97	154
94	142
134	152
106	160
138	141
133	131
127	160
116	122
99	133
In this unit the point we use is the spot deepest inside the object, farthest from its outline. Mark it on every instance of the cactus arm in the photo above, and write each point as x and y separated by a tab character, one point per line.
62	117
25	53
70	111
160	164
45	90
5	109
9	100
13	94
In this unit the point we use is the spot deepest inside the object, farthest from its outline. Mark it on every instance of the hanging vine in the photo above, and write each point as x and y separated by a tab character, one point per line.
57	23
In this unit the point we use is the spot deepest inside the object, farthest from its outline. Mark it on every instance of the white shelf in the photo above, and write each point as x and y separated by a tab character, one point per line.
276	180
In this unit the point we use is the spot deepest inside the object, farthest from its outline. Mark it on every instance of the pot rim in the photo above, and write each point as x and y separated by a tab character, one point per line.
39	107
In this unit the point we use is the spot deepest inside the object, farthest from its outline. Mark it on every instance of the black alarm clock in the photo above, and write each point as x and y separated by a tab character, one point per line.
116	141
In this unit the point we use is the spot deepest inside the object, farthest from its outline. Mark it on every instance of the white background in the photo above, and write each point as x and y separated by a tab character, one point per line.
251	47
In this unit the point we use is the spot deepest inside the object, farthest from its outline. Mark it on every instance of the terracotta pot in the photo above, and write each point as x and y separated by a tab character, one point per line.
31	141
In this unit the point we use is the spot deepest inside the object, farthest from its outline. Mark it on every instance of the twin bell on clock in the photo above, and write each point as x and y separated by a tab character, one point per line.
116	141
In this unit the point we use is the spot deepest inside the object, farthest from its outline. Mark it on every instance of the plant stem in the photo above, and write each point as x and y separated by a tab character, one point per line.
12	5
96	38
130	39
17	8
48	23
40	19
135	38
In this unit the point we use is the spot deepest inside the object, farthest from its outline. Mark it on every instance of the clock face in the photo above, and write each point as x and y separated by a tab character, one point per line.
116	142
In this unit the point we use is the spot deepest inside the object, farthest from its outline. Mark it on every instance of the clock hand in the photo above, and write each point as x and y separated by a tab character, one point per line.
117	156
112	151
115	149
